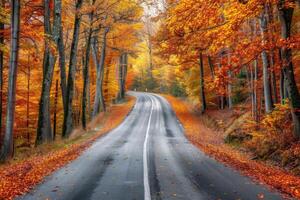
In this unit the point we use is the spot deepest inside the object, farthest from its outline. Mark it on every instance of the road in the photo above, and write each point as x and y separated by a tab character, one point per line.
147	157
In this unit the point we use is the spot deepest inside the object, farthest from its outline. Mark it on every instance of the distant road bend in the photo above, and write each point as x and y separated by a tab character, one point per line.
147	157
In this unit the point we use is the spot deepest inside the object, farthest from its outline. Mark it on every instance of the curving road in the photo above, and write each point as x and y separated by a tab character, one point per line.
147	157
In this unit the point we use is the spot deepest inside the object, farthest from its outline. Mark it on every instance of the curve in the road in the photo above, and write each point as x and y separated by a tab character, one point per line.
147	157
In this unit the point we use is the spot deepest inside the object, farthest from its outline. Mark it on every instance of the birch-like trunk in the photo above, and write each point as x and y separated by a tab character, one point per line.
266	63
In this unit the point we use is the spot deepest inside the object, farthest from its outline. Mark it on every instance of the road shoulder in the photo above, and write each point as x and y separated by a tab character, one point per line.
21	175
212	144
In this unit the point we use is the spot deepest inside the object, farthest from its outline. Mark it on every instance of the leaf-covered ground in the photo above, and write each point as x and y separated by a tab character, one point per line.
18	177
212	143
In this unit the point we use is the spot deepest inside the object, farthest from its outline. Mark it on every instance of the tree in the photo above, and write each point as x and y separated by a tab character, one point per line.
265	61
7	148
59	40
44	131
99	99
202	87
86	69
122	75
68	121
286	15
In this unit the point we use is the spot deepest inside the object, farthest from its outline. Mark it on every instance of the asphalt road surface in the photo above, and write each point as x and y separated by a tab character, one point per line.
147	157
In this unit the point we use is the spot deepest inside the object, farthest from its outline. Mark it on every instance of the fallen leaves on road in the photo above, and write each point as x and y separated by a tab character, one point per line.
212	144
18	178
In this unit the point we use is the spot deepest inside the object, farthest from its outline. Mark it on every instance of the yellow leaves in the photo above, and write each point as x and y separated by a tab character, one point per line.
4	16
278	119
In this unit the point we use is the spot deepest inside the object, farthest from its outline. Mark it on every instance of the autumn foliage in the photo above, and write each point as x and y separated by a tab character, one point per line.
67	69
212	143
20	176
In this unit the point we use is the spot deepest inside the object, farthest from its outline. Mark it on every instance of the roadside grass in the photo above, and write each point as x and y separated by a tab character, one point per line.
31	165
211	141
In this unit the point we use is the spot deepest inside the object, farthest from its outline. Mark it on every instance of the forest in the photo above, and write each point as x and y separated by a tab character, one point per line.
61	64
231	64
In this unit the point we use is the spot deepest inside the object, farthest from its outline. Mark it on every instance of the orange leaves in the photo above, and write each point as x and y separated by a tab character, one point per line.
18	178
211	143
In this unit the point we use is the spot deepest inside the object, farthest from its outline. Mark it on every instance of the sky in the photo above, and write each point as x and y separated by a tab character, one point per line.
153	7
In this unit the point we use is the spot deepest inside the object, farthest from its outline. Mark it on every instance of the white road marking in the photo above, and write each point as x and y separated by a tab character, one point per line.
147	194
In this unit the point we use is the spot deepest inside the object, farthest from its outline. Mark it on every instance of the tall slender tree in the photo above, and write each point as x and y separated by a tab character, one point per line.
86	69
68	121
99	99
286	16
202	86
1	68
44	131
7	148
266	62
59	40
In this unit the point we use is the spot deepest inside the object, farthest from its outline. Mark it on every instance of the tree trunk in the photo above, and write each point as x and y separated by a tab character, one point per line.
7	148
121	63
44	132
211	67
122	75
86	72
266	64
59	40
1	73
68	122
286	15
28	100
99	100
55	110
230	103
254	76
202	86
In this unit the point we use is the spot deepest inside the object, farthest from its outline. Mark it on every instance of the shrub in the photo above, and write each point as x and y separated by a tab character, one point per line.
273	135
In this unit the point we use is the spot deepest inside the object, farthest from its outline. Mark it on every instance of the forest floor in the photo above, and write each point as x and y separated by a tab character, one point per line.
202	132
29	167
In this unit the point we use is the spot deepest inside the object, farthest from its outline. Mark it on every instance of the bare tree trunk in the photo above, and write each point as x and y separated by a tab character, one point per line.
99	100
211	67
7	148
282	87
253	88
286	15
272	58
55	110
68	122
1	73
273	79
202	86
122	75
28	100
229	88
125	68
121	63
86	71
59	40
266	64
44	132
